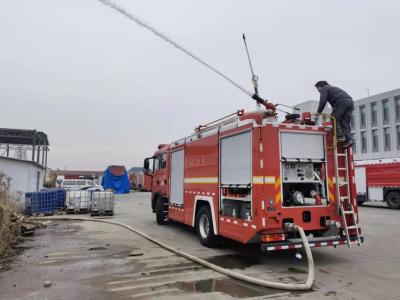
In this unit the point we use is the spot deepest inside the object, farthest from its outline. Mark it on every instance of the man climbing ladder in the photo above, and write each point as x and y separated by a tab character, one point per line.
342	108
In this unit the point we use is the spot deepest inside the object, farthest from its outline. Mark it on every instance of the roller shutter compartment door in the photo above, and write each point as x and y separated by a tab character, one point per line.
302	146
236	159
177	170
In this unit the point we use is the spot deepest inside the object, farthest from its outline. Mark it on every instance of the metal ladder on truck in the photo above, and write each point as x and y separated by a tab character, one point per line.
346	198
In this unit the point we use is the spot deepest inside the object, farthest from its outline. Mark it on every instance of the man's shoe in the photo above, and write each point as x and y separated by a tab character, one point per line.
348	144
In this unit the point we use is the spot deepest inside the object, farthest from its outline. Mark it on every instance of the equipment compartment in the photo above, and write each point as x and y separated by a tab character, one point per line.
236	202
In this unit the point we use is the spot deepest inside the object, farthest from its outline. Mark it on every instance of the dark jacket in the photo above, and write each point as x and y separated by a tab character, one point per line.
332	95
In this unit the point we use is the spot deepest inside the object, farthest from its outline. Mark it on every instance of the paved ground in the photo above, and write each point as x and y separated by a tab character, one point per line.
126	266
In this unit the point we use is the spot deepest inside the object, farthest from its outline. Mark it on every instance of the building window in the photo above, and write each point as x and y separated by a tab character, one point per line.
374	114
398	136
385	111
363	141
362	116
386	138
397	103
375	141
353	137
352	123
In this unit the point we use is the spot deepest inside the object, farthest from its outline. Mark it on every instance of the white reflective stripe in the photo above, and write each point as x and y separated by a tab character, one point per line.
234	222
228	220
335	242
221	219
262	204
253	226
258	180
298	246
314	127
285	247
324	244
201	180
245	224
261	163
270	248
269	179
263	220
312	244
261	147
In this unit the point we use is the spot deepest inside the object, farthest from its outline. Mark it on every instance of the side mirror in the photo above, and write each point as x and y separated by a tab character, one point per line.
146	166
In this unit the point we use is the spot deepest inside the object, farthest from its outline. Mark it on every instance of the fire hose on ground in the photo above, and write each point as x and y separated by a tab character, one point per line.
233	274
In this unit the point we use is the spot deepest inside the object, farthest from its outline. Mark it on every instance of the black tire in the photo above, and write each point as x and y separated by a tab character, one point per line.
162	211
205	228
154	202
393	200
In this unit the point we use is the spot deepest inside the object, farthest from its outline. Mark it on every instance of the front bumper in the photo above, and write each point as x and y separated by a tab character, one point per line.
313	242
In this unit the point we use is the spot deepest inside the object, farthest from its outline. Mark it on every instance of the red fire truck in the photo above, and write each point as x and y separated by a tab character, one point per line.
378	180
249	178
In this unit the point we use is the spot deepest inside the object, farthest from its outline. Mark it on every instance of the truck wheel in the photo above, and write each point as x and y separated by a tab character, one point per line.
154	203
205	228
162	211
393	200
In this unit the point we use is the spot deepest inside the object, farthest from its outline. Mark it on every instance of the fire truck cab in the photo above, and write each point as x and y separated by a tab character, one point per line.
247	177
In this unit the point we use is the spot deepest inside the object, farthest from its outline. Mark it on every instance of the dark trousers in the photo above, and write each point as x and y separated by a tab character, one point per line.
342	111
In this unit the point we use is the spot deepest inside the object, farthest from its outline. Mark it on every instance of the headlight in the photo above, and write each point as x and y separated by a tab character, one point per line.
298	197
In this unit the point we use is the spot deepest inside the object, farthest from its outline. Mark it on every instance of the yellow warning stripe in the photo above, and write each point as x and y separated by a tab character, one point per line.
278	196
331	196
330	182
330	188
278	183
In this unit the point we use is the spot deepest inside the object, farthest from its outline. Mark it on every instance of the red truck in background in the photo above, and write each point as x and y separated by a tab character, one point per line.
378	180
142	182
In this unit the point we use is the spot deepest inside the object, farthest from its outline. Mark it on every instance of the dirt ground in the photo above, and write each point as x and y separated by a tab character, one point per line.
86	260
93	261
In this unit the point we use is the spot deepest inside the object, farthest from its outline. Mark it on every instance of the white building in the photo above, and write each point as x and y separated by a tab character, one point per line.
23	159
26	176
375	125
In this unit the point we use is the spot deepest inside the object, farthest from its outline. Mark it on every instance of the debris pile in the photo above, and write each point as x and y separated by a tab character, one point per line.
12	224
9	229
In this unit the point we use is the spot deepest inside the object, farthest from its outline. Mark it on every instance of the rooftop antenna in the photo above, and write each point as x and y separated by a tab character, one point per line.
254	78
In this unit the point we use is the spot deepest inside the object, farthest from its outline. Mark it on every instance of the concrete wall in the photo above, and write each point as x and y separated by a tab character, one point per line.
25	176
